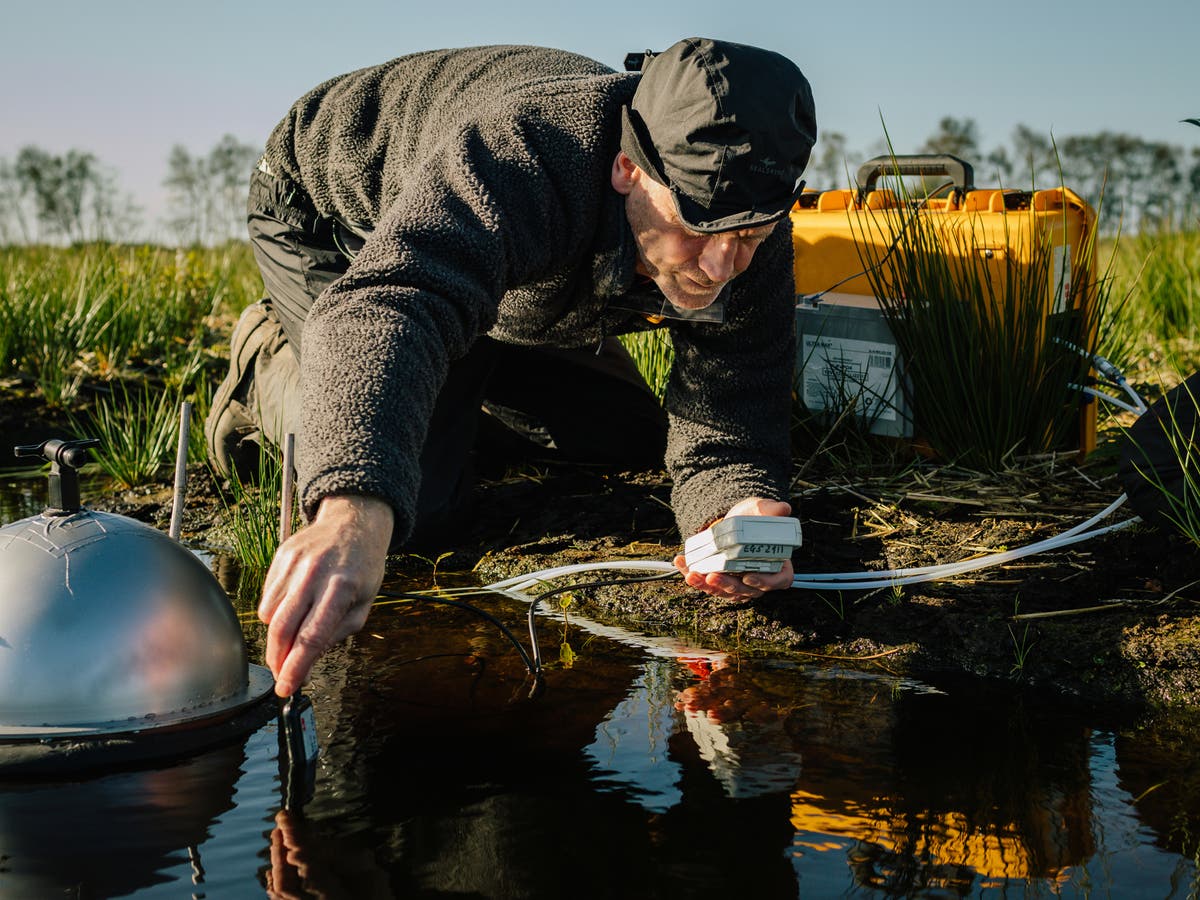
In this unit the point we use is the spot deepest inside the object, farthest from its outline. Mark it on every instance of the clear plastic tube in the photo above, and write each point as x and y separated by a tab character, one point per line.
1109	398
1112	373
521	582
1037	547
952	569
864	580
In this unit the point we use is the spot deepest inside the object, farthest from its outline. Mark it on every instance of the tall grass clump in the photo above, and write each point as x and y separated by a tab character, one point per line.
252	511
69	314
137	432
992	373
1162	266
652	354
1168	458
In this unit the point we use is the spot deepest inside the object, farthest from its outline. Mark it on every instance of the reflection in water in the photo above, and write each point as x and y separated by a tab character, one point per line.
22	493
738	736
652	776
1158	766
977	797
655	771
116	834
963	812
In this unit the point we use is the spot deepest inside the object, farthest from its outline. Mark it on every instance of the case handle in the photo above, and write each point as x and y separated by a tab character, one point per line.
959	170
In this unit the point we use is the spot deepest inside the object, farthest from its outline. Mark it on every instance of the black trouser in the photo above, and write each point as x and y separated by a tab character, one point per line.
498	402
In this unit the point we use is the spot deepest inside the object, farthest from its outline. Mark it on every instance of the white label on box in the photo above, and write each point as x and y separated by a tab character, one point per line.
308	730
1062	277
840	370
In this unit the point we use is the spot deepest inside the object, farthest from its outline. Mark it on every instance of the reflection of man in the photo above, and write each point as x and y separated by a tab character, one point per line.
722	718
739	734
470	225
301	866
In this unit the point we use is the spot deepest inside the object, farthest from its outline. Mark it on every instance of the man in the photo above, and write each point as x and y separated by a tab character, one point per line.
476	224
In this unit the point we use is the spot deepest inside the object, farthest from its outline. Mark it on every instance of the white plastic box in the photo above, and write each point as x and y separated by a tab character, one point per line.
743	544
845	354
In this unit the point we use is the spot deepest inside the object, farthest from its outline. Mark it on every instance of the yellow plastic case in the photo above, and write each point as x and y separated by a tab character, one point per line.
834	232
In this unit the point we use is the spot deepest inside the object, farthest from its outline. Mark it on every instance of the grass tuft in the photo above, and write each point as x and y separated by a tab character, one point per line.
74	314
1177	484
991	372
652	354
137	432
253	512
1167	278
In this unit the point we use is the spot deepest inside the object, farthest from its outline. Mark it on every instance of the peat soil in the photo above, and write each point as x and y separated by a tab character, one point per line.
1112	622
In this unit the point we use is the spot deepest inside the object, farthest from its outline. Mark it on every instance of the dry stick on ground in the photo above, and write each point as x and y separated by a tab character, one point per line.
1114	604
1176	592
938	498
891	652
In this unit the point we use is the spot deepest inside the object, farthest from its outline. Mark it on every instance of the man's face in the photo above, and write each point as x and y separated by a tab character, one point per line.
689	267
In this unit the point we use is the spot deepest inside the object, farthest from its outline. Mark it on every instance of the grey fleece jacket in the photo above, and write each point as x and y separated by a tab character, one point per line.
482	178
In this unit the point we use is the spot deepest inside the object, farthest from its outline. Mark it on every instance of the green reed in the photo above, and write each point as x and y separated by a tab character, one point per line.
75	314
1177	484
652	354
991	375
1162	267
252	510
138	432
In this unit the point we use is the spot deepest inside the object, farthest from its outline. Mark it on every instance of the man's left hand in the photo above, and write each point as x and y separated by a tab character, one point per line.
751	584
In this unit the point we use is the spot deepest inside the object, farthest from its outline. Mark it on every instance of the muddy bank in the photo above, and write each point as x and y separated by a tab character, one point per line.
1124	628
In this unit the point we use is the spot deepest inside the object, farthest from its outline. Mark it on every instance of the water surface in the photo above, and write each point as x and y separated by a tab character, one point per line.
650	767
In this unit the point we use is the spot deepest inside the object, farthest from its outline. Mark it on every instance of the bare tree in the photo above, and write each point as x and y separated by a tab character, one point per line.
1131	181
828	168
229	163
15	224
958	137
999	165
207	193
1033	155
188	203
71	197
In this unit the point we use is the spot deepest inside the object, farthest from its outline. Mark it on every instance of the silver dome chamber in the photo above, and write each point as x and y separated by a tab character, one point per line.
115	640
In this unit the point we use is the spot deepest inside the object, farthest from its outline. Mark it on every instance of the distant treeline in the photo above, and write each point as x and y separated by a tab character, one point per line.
74	197
1134	184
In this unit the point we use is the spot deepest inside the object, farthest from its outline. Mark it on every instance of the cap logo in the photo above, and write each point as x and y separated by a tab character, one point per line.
766	166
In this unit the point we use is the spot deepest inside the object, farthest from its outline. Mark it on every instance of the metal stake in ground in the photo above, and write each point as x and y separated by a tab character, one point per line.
181	454
287	488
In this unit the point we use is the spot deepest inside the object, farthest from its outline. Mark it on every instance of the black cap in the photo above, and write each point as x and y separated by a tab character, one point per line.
728	128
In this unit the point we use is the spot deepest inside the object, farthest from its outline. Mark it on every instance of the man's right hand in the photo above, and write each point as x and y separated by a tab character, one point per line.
322	583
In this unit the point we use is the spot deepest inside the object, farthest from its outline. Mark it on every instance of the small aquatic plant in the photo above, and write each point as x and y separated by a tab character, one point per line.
1021	645
138	431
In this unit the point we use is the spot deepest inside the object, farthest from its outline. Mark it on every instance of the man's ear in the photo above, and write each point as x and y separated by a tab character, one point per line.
624	173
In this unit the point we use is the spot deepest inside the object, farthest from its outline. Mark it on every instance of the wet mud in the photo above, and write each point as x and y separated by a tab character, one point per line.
1111	621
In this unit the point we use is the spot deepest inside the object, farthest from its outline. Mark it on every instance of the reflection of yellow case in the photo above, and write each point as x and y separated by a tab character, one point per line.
830	231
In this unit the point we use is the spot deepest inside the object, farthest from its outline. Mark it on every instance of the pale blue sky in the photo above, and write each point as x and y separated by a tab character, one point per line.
127	79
